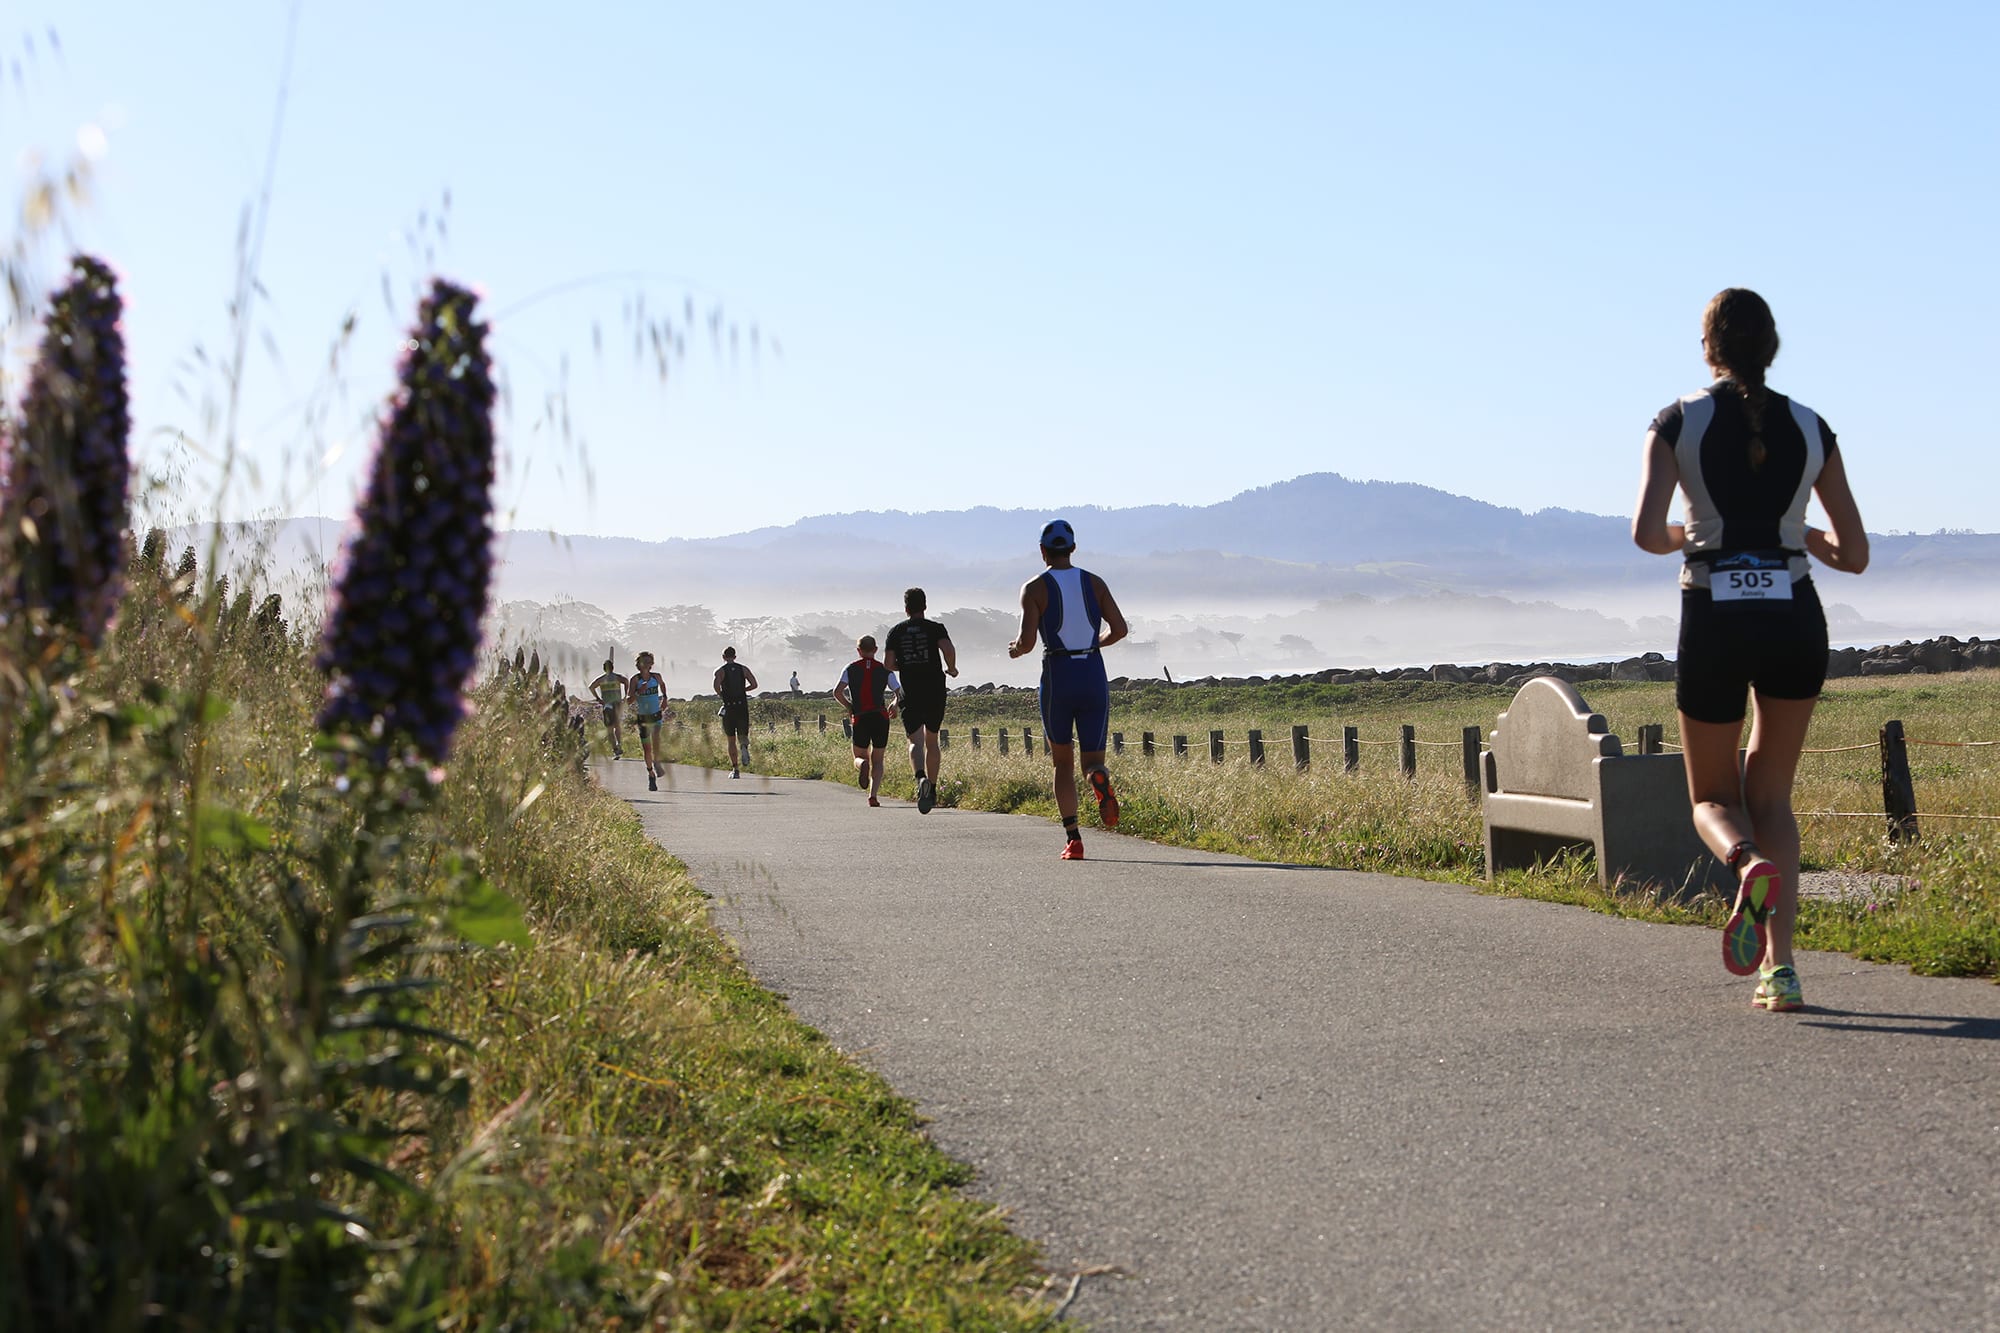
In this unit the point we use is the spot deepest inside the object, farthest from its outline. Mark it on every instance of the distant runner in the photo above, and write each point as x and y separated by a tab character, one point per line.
863	690
734	681
921	652
647	691
1072	612
610	691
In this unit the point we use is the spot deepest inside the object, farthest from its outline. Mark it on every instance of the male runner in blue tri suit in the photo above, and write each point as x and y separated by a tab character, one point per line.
1073	614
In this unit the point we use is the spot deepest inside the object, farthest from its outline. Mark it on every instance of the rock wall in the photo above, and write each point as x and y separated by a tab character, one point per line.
1931	657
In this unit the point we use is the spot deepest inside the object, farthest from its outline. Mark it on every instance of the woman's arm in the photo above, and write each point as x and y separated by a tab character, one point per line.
1659	475
1846	547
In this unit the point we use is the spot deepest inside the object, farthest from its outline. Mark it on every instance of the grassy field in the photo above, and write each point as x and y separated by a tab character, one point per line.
1942	918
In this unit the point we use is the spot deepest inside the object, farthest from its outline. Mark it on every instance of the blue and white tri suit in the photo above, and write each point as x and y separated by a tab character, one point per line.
1075	695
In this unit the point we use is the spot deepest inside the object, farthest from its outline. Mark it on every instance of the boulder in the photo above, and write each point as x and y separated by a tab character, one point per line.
1886	666
1632	668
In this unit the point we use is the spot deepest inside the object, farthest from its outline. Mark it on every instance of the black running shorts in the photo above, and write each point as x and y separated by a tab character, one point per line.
922	710
735	719
1728	649
871	731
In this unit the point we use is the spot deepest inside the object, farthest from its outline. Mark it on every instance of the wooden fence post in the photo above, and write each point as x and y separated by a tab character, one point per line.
1301	749
1028	741
1652	738
1409	751
975	738
1118	742
1003	740
798	723
1215	746
1256	748
1180	747
1350	748
944	738
1146	744
1899	794
822	724
1470	743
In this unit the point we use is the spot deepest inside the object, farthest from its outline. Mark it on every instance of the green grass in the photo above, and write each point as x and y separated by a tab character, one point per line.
1945	919
626	1132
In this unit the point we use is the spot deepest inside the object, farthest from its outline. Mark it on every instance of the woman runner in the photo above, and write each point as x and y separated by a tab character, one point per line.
1747	459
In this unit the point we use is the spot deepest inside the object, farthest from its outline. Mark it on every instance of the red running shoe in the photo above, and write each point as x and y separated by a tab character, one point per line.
1744	937
1073	852
1107	800
872	801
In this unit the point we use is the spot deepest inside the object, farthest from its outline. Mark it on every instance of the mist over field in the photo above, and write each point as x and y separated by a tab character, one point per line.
1318	572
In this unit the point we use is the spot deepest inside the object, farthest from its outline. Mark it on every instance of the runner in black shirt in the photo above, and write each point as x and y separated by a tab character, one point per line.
920	652
734	681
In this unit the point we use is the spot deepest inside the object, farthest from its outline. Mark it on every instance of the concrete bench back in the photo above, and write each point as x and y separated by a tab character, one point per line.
1556	778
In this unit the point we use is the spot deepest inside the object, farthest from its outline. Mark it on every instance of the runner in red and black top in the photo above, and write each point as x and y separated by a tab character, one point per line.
863	691
920	652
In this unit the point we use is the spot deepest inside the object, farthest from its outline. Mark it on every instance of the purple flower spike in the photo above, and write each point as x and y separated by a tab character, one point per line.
62	515
403	630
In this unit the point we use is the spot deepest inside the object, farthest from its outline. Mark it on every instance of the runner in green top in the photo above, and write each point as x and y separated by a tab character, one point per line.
610	691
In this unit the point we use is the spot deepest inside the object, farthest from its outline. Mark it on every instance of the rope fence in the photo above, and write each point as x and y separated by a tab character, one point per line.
1899	806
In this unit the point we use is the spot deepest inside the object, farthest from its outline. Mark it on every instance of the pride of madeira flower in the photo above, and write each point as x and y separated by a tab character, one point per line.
62	514
403	628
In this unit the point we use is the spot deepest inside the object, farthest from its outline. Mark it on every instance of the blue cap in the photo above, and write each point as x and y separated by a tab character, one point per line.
1058	537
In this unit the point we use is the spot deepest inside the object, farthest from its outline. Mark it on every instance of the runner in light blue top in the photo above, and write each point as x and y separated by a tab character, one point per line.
1073	614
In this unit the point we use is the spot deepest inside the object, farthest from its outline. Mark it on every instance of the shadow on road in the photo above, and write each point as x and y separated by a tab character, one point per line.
1913	1025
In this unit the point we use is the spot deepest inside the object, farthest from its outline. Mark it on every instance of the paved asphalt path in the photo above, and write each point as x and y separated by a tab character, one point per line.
1277	1097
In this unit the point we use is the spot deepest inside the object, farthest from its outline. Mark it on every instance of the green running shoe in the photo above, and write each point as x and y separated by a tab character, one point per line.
1743	938
1778	990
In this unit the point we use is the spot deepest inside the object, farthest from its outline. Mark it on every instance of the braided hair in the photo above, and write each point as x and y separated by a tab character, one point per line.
1742	339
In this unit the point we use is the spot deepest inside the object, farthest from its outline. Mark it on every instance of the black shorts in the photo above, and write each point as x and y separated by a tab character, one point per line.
1728	649
871	731
649	724
922	710
735	719
610	715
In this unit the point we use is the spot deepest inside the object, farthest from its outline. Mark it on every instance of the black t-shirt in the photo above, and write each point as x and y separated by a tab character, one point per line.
735	690
919	662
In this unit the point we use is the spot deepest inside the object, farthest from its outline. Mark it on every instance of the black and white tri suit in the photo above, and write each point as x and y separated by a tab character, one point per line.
1750	615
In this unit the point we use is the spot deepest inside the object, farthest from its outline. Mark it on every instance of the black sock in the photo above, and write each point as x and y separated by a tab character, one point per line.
1070	831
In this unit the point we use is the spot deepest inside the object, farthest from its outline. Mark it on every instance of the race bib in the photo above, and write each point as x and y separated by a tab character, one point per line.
1751	576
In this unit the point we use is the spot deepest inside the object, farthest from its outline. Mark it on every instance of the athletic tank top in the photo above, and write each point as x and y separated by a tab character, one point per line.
733	689
1070	621
611	691
1733	508
867	686
646	688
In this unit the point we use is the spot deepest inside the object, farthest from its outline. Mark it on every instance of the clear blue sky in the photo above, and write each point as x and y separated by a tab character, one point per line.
1055	254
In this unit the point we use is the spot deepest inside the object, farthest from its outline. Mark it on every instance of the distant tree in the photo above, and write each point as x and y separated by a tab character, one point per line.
1232	638
1295	646
806	645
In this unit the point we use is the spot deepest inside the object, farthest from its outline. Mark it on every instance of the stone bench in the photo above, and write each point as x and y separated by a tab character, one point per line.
1555	780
